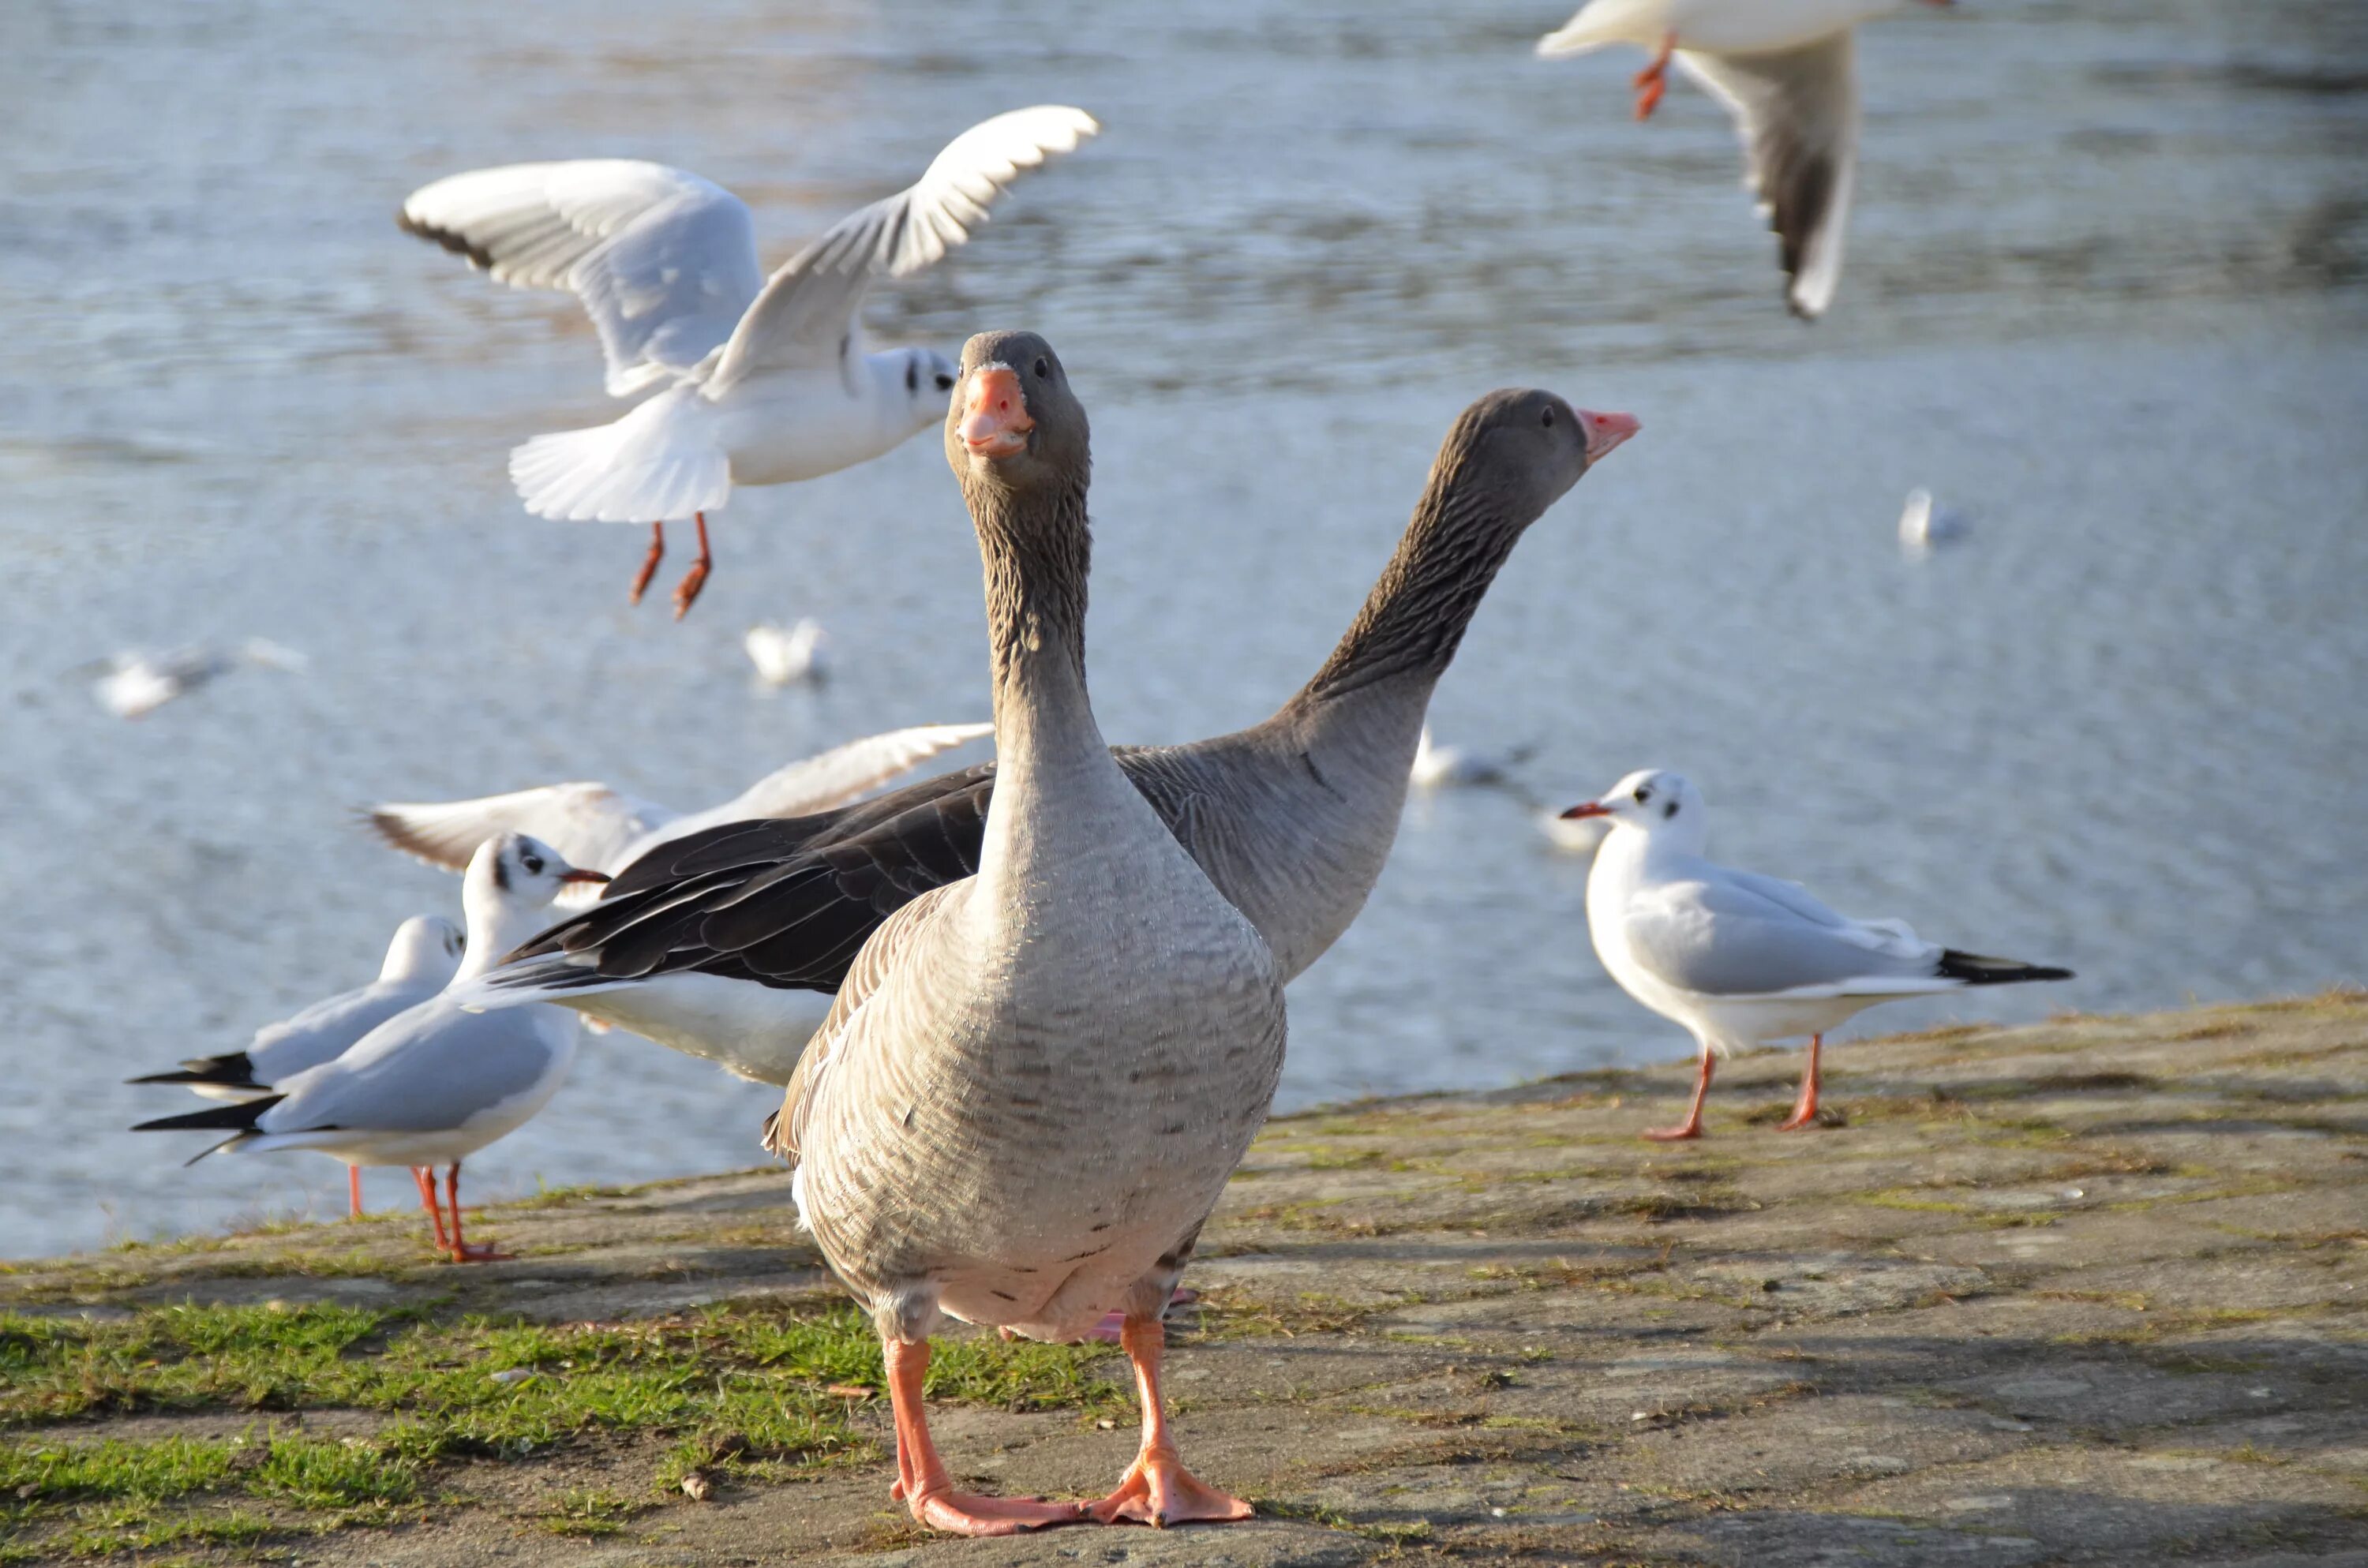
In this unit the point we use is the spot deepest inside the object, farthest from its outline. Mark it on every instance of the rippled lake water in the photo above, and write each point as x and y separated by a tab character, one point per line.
2104	292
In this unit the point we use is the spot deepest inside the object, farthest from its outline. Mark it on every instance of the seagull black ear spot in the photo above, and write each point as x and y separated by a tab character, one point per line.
1668	811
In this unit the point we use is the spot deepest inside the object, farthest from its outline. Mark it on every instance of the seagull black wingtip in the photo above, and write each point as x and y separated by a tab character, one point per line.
242	1115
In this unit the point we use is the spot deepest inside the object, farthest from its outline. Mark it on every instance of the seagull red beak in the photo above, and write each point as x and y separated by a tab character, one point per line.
1588	809
1605	431
578	874
994	422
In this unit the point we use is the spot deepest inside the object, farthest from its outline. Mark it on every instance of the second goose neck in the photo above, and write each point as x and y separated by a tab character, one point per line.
1416	616
1036	549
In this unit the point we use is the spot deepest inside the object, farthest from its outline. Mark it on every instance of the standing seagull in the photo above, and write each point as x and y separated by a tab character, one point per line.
767	380
433	1084
420	961
1740	959
1035	1080
1787	71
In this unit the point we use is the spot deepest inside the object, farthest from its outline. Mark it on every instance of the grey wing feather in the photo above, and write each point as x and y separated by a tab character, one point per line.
426	1070
329	1028
1797	112
665	262
1726	936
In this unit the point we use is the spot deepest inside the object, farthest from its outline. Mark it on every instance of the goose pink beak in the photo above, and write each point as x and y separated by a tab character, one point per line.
1586	809
1605	431
995	422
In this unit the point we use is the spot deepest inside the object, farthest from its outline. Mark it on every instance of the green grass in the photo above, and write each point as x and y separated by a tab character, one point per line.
746	1388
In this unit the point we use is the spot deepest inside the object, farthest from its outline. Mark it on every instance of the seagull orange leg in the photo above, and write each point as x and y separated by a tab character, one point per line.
921	1482
425	1177
1654	80
462	1251
1804	1109
685	593
353	1192
1691	1126
1156	1489
649	564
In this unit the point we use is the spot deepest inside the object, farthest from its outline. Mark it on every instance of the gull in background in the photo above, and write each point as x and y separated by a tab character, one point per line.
136	684
1458	768
1738	959
765	381
1787	71
420	961
1924	523
784	657
593	826
434	1083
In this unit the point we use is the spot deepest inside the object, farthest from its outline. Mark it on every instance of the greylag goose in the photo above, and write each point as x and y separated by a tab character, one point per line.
434	1083
1737	959
1036	1079
1787	71
602	829
1291	818
765	381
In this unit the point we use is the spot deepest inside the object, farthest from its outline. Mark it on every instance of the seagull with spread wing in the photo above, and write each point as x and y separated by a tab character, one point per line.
763	380
1787	71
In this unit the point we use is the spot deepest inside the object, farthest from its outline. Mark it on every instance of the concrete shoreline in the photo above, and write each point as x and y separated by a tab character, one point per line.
2094	1291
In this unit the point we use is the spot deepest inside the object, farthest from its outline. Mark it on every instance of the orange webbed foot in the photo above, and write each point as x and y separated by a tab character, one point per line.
1158	1491
1674	1134
967	1512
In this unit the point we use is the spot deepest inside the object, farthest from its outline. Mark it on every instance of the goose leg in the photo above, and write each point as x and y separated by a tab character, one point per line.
649	564
921	1481
1110	1330
427	1180
462	1251
1156	1489
1654	80
1804	1109
353	1192
685	593
1691	1126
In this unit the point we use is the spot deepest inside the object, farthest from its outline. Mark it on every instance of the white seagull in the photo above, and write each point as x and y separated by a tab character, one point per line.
136	684
767	381
420	961
1456	767
434	1083
1787	71
1925	523
593	826
1740	959
785	656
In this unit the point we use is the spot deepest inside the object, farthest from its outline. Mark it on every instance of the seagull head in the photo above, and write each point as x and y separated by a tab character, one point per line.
423	945
927	377
520	872
1655	803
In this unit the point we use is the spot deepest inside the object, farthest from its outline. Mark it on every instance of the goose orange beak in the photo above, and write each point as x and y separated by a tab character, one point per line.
1605	431
1586	809
994	422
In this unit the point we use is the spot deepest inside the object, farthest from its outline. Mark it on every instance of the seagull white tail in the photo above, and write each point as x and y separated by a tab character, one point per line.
659	462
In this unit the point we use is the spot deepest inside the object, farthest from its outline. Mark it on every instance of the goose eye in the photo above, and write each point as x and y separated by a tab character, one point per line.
1043	369
1547	419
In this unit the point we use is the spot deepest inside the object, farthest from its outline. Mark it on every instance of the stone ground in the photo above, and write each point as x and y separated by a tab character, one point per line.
2086	1292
